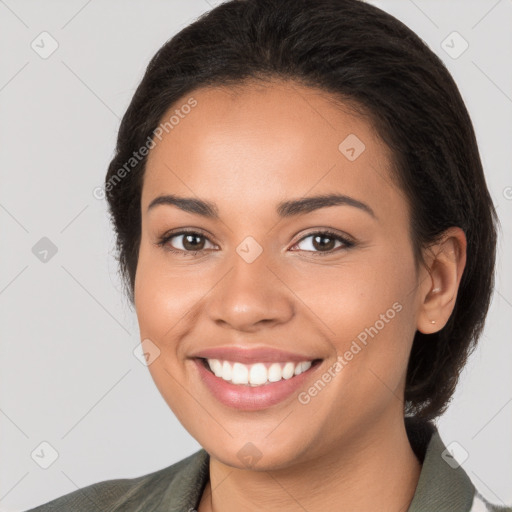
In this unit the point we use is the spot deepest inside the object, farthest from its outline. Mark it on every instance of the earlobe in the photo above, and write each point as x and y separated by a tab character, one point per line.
446	261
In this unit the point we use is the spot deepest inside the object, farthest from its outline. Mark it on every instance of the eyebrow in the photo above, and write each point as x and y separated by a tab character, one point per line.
284	209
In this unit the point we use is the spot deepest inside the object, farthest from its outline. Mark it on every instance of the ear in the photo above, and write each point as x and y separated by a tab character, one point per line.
445	261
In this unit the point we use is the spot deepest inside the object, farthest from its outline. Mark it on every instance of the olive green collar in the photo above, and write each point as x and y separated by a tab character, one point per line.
441	486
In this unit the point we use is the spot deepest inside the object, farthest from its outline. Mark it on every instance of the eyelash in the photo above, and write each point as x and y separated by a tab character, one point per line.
162	242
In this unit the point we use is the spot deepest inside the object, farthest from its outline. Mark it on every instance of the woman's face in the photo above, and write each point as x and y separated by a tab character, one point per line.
262	276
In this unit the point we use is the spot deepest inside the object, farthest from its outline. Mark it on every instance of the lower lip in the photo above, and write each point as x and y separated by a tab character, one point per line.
252	398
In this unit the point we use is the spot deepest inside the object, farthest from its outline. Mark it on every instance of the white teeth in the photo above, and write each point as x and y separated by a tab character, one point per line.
302	367
275	373
256	374
240	374
216	367
227	371
288	370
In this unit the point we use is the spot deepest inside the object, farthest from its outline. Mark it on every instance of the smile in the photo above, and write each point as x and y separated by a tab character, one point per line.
257	374
255	386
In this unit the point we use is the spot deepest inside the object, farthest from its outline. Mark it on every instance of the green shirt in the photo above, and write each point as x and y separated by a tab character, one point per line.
443	485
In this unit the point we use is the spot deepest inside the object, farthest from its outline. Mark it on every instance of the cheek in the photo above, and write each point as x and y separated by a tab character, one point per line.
366	307
159	308
346	298
372	314
162	296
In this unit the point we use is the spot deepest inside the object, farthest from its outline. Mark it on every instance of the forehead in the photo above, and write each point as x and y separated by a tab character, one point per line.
258	143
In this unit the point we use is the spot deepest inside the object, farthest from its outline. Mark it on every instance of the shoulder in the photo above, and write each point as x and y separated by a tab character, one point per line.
443	483
131	493
480	504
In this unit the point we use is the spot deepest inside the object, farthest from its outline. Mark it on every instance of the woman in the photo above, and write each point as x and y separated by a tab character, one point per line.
306	235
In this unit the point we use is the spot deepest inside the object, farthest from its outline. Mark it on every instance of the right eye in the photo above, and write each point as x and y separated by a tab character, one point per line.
192	242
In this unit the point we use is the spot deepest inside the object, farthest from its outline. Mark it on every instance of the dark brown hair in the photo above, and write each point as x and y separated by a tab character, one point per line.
365	57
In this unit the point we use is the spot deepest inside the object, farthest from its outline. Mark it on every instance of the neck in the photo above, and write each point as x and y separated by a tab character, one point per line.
377	470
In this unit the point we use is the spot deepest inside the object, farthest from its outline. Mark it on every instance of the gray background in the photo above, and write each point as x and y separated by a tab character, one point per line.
68	375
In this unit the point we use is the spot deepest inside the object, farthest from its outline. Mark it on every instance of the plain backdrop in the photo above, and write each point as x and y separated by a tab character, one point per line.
68	376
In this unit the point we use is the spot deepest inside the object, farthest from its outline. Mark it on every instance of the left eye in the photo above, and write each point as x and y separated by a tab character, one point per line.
323	242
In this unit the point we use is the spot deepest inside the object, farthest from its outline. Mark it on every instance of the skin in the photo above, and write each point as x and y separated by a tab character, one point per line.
247	149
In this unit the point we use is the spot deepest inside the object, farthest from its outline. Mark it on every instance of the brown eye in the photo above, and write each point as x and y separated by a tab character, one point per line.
323	243
193	242
185	242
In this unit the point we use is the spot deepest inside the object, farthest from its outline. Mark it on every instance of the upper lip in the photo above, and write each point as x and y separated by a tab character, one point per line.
251	355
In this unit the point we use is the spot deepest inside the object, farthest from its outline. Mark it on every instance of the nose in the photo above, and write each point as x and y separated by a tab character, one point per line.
250	296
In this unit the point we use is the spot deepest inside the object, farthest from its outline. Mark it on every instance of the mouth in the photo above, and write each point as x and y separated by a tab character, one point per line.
258	373
255	385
